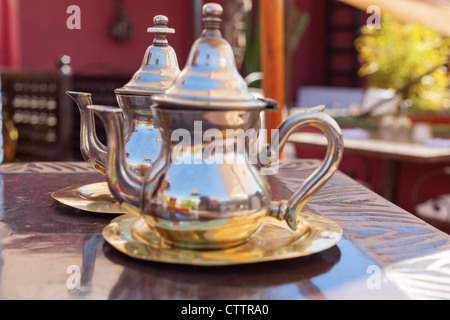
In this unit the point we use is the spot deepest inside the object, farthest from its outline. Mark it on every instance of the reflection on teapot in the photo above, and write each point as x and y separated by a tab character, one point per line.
208	194
158	71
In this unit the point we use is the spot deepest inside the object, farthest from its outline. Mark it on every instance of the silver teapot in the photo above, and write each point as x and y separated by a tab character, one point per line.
207	190
158	71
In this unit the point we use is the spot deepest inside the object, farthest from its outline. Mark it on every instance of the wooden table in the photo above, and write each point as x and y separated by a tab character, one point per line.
391	153
385	252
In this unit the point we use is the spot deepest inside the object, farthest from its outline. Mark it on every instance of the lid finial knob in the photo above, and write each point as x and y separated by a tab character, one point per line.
160	30
212	13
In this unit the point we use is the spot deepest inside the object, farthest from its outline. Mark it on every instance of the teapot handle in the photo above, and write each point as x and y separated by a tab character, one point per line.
288	209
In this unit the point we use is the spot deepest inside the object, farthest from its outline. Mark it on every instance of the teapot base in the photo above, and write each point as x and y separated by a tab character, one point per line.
217	234
205	246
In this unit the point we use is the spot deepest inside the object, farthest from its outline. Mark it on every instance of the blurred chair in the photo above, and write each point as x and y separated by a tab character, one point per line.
430	197
380	101
35	101
337	100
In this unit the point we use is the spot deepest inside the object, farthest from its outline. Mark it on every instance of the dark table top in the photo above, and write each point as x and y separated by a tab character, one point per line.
385	252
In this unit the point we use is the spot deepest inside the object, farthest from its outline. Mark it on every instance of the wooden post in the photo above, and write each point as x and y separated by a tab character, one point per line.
272	57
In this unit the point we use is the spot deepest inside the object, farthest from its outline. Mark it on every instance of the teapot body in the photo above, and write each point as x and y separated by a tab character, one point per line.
142	141
207	188
209	194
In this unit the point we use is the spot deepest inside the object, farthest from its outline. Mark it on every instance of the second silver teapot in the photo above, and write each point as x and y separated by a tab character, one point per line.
158	70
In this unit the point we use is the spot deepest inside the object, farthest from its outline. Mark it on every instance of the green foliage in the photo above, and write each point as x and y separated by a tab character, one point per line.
298	23
400	53
252	59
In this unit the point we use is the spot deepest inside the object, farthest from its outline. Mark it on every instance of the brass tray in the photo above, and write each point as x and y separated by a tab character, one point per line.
275	241
94	197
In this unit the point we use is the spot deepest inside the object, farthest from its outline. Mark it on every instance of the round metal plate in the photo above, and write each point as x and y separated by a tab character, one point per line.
94	197
275	241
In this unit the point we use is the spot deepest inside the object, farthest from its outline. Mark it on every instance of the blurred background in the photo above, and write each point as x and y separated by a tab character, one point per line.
382	75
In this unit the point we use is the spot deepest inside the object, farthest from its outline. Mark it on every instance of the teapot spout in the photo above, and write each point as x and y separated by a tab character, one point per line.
92	150
124	184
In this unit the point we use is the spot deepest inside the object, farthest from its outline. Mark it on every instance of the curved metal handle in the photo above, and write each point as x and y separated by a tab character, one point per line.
315	117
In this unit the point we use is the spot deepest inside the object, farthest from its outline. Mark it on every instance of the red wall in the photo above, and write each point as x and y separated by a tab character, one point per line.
309	59
44	36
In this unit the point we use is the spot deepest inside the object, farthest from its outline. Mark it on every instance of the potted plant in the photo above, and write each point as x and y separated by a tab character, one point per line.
411	59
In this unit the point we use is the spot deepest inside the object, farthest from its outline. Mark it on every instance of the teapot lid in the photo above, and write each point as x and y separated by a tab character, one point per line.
210	79
159	67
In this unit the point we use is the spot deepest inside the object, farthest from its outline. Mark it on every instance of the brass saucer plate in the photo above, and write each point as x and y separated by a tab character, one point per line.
275	241
94	197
